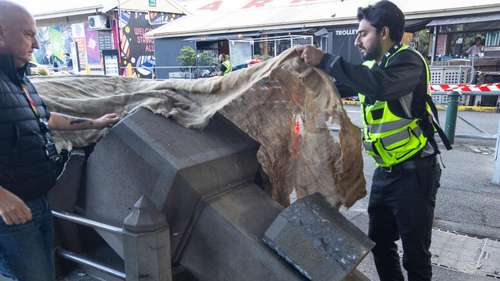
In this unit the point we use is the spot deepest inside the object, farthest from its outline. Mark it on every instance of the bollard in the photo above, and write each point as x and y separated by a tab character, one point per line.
451	115
87	69
146	244
496	163
129	68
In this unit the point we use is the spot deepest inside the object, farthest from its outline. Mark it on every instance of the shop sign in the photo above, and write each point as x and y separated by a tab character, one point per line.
345	32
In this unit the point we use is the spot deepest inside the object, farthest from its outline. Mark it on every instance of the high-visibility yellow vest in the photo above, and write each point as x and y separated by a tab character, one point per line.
227	64
388	138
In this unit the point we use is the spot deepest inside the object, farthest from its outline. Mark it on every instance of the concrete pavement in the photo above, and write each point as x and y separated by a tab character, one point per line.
467	227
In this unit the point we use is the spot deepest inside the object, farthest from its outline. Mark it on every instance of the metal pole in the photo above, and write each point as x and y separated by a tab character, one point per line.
434	45
82	260
451	115
496	164
86	222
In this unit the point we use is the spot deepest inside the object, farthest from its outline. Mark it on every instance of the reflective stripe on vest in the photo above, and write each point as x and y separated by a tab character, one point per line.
227	64
388	138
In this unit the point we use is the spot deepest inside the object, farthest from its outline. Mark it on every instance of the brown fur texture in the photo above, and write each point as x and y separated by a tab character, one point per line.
285	105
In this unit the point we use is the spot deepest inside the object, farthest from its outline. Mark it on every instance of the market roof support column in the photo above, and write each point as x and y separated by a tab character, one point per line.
434	44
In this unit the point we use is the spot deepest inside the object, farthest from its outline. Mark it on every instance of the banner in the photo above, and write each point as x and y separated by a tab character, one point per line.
92	43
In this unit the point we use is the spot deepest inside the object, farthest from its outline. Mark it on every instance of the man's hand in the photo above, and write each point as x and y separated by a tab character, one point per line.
311	55
62	122
106	121
12	209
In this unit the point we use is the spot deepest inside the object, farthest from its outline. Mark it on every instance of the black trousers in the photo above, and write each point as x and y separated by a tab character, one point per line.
402	205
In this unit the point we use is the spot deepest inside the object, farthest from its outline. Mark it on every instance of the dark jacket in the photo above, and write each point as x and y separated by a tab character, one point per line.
405	75
25	168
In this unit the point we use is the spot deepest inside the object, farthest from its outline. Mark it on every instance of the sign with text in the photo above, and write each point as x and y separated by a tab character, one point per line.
110	62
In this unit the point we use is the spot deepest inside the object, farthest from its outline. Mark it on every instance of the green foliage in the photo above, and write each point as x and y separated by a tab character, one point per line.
205	58
265	57
471	39
42	72
423	42
187	57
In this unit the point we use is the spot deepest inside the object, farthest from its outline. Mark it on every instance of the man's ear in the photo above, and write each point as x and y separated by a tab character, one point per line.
385	33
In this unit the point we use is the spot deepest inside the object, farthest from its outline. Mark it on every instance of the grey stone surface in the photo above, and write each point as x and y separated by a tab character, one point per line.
144	217
226	243
316	239
177	168
146	243
63	197
202	181
147	255
64	194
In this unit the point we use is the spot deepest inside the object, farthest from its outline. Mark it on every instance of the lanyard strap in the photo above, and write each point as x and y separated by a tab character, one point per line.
32	103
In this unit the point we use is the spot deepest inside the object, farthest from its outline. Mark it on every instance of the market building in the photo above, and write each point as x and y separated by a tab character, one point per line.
332	24
91	30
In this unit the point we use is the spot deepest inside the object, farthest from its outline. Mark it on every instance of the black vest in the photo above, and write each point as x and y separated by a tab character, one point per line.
25	168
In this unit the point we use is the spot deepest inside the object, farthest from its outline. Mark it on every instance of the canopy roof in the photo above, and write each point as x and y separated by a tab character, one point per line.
465	19
55	12
216	17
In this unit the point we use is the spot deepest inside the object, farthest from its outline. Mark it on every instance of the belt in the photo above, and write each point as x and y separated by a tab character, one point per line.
411	164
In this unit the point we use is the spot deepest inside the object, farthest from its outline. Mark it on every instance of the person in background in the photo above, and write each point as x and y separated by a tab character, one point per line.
56	65
224	64
476	49
398	132
69	62
28	156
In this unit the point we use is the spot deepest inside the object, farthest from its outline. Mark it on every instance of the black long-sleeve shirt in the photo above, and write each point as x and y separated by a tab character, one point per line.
405	74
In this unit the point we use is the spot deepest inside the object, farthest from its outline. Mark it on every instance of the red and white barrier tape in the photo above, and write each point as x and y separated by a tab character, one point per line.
467	88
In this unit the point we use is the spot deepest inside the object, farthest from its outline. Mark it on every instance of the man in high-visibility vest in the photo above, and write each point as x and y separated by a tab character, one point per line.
224	64
398	131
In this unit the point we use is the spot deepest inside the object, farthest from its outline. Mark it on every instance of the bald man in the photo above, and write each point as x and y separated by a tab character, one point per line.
27	153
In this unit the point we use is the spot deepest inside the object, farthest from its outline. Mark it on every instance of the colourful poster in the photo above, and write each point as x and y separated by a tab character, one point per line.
55	42
82	54
92	45
43	55
66	38
136	49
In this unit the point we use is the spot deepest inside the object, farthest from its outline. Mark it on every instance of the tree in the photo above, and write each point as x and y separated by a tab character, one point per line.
187	58
423	42
205	58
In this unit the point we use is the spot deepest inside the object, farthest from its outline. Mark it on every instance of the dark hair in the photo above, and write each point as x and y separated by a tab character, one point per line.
478	38
68	54
385	13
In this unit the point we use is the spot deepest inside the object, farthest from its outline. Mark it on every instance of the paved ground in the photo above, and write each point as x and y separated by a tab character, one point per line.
467	228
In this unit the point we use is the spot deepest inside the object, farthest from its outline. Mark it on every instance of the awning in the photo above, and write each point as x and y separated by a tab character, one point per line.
166	6
413	26
219	37
465	19
308	15
57	12
286	14
230	36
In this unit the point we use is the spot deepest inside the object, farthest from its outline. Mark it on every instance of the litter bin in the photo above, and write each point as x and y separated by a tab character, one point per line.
490	77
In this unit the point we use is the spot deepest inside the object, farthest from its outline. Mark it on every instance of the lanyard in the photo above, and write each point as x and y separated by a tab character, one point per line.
32	103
